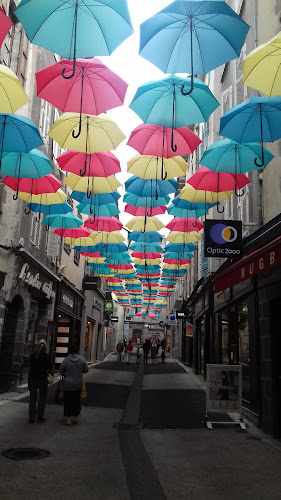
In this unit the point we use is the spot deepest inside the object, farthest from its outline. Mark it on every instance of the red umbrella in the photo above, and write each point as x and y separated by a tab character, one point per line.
106	224
97	165
177	262
185	225
156	140
78	232
206	180
142	211
138	315
47	184
93	89
5	25
120	266
91	254
146	255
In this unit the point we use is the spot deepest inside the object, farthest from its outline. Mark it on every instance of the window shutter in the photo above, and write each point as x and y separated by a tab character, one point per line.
53	245
204	261
240	87
22	59
35	231
226	98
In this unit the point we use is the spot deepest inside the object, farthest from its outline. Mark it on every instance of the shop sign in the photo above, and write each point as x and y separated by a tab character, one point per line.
109	330
68	301
189	329
90	283
223	238
180	314
114	319
224	388
34	282
108	306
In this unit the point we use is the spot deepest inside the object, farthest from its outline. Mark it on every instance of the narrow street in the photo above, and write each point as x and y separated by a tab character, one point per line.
140	436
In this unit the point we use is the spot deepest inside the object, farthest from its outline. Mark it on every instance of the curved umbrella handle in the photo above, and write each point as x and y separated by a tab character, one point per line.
262	159
163	173
220	211
75	136
27	210
194	224
73	70
15	196
173	146
191	87
239	194
48	227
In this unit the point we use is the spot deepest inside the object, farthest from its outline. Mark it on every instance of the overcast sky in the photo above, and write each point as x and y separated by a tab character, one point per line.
135	70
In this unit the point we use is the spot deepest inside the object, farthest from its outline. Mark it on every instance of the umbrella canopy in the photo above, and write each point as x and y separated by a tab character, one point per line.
146	247
192	36
155	140
96	199
64	221
141	224
175	255
206	180
98	133
146	201
113	237
112	248
142	211
148	255
149	262
184	213
18	134
147	237
180	203
77	30
177	237
5	25
232	157
100	164
45	199
107	224
12	95
47	184
73	233
153	167
190	224
262	67
92	185
193	195
98	211
180	248
32	165
95	260
55	209
144	188
257	119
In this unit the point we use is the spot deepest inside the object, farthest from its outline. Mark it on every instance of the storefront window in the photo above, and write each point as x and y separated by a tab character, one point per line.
244	352
224	337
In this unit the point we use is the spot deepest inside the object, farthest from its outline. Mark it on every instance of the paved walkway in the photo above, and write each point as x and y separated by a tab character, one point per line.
140	436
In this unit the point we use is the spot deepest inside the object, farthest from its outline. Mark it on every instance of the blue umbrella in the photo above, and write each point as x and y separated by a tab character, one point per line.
92	248
99	210
193	37
63	221
17	134
175	255
57	208
108	248
143	188
188	205
184	213
149	237
32	165
145	201
144	246
75	28
255	120
180	248
95	200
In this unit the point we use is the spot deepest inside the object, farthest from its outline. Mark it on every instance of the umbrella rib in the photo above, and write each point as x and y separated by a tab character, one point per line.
13	125
8	98
94	17
60	7
260	61
275	78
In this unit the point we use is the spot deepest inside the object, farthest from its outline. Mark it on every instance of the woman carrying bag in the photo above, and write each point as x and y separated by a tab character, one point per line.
72	369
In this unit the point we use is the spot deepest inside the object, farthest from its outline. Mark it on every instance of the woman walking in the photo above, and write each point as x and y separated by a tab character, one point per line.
40	365
72	369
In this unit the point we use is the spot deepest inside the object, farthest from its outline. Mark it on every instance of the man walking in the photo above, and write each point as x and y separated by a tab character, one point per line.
119	349
129	350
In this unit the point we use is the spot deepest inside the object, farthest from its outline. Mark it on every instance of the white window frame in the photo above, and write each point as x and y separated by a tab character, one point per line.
35	230
239	78
45	121
223	95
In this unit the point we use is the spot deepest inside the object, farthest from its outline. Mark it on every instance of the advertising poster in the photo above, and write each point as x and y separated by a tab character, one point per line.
222	238
224	388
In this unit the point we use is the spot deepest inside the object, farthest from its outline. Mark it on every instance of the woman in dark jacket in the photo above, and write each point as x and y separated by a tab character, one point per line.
40	365
72	369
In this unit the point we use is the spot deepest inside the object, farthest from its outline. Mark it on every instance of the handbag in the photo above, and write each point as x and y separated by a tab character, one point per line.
83	393
50	379
59	393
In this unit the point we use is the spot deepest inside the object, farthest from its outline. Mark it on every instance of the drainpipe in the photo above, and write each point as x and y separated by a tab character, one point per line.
256	22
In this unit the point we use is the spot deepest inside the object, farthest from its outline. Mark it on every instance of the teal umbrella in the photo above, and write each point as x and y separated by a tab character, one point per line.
32	165
63	221
185	213
76	28
56	208
99	210
17	134
145	246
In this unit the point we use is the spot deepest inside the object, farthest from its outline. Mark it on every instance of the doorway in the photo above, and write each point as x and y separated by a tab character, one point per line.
275	307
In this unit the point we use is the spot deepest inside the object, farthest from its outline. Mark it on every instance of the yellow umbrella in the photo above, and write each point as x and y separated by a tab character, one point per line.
193	195
145	224
123	271
98	133
12	95
113	237
133	282
177	237
95	260
45	198
262	67
85	241
92	185
149	262
174	266
150	167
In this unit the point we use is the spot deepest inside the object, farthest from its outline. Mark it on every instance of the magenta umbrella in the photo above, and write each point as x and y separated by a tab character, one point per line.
106	224
47	184
5	25
97	164
145	211
93	89
73	232
185	225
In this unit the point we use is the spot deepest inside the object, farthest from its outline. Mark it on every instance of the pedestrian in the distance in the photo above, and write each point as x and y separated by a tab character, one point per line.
40	366
72	369
119	349
163	356
129	350
146	349
138	356
153	353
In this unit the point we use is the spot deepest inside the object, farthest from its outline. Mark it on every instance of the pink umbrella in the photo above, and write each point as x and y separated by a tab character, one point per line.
138	315
93	89
91	254
151	316
97	165
78	232
5	25
120	266
177	262
185	225
146	255
106	224
142	211
206	180
156	140
47	184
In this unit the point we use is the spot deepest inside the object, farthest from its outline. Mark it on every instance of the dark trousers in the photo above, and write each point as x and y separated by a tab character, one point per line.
35	386
72	406
145	357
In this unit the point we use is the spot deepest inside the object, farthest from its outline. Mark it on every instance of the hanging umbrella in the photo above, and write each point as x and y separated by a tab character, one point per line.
232	157
17	134
57	208
72	233
155	140
100	164
107	224
12	95
95	260
96	200
146	201
5	25
42	199
111	248
175	255
148	255
192	37
193	195
99	211
113	237
184	213
180	203
143	225
93	89
149	237
161	103
64	221
177	237
153	167
92	185
47	184
74	29
144	188
179	248
142	211
190	224
262	67
32	165
177	262
255	120
80	242
146	247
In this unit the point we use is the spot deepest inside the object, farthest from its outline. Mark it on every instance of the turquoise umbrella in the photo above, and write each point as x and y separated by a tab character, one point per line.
143	188
175	255
145	246
17	134
185	213
147	237
161	102
32	165
57	208
63	221
145	201
100	210
76	28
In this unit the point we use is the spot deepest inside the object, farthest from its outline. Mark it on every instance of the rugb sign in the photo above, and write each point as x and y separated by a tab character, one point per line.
223	238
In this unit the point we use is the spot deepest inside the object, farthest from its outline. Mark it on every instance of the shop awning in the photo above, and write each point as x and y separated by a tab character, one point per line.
257	262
